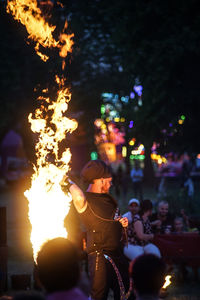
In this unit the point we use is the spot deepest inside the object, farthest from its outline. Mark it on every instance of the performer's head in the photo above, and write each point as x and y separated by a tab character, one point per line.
98	174
58	265
148	273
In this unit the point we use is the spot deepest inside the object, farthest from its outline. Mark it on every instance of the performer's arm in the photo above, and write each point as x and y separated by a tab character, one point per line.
78	198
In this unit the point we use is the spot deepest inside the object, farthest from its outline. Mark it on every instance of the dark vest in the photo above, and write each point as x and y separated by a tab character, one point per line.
103	232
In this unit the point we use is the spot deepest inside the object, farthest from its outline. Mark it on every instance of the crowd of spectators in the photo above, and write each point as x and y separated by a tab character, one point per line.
144	227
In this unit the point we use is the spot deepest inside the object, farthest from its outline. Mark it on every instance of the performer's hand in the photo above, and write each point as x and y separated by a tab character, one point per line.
66	183
63	181
124	221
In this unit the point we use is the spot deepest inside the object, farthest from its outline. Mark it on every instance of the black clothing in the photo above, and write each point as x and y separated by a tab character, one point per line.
104	237
103	232
167	224
104	277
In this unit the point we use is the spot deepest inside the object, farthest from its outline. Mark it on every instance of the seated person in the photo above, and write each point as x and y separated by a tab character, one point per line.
140	233
178	226
148	274
191	224
58	270
133	206
162	220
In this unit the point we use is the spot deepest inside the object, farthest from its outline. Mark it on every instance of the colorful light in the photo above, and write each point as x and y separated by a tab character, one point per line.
138	156
138	89
103	126
131	143
125	99
107	95
160	159
140	102
117	119
131	124
103	109
124	151
94	155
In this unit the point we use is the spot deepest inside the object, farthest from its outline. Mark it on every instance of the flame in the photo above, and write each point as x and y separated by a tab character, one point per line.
48	205
167	281
30	15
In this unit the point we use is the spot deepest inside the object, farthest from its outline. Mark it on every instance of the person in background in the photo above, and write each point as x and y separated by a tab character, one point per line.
125	183
178	226
162	220
187	181
11	148
148	273
58	270
140	233
137	179
185	217
133	206
99	213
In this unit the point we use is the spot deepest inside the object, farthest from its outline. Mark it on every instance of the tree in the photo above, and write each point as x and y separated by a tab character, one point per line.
120	42
156	43
159	45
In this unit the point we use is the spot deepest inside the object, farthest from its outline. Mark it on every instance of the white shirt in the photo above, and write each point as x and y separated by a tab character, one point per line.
128	215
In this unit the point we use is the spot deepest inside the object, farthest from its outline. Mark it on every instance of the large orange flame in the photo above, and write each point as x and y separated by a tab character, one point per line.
30	15
48	205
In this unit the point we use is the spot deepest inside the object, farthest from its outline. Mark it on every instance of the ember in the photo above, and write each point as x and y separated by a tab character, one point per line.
167	281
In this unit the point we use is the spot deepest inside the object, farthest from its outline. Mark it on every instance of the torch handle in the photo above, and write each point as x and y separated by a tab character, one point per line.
126	236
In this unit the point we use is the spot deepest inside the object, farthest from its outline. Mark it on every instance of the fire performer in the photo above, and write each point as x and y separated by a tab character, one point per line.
108	267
